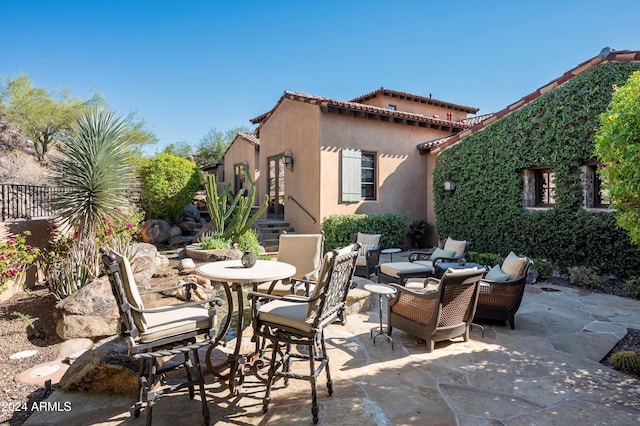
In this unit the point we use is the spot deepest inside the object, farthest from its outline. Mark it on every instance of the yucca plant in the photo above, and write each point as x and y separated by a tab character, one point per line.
93	167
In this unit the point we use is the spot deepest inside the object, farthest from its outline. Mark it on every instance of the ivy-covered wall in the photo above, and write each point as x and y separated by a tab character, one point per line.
556	130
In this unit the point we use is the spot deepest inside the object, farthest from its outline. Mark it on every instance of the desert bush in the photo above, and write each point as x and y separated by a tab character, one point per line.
544	268
168	184
215	242
632	286
15	257
249	241
584	276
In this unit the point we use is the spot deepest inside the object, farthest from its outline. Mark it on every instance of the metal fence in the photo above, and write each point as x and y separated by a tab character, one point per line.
32	201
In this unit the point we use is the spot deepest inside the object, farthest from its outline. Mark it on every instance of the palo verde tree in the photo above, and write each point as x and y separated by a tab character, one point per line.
618	148
45	119
48	119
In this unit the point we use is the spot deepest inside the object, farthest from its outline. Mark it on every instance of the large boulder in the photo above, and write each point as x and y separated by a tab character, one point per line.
155	231
89	312
106	368
92	311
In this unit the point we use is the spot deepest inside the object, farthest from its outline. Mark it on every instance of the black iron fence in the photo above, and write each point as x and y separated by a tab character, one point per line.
32	201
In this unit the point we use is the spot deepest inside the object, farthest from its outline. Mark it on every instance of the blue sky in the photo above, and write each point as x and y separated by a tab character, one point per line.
187	67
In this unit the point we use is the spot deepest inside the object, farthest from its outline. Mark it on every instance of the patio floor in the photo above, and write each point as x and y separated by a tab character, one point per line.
544	372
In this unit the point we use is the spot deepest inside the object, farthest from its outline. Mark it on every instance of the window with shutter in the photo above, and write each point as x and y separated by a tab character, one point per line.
351	173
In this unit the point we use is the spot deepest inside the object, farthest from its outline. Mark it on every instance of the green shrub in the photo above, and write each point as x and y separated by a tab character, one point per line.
418	232
632	286
584	276
487	259
168	184
555	130
249	241
215	242
340	229
626	362
544	268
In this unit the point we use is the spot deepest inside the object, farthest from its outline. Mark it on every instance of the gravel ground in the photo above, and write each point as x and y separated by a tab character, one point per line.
26	322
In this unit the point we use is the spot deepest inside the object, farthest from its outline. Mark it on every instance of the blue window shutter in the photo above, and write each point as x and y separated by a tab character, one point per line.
351	175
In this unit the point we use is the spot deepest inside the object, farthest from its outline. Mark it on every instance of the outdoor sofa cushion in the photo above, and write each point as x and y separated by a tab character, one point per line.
514	265
497	274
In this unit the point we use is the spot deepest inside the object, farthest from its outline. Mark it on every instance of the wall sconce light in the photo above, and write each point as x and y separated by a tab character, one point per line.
287	159
449	185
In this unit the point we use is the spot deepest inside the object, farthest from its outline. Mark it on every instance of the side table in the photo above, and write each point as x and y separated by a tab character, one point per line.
390	252
380	289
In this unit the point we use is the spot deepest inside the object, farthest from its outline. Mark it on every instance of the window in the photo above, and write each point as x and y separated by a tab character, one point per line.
238	177
392	107
368	176
595	196
545	187
358	175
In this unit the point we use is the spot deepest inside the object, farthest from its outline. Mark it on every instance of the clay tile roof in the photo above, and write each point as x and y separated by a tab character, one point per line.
415	98
467	122
328	105
606	55
250	137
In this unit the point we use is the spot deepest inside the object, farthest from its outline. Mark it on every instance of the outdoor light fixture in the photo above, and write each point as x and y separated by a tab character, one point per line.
287	159
449	185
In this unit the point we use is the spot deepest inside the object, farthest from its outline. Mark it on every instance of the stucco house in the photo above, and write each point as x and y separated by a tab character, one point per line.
317	156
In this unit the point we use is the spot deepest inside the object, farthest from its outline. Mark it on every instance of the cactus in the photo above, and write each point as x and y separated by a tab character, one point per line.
626	362
232	215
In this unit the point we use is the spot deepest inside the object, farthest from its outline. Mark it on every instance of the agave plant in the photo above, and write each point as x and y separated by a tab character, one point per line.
94	168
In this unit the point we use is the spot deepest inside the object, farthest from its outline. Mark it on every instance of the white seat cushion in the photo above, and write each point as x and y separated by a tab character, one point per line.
282	312
361	261
418	284
174	322
393	268
280	288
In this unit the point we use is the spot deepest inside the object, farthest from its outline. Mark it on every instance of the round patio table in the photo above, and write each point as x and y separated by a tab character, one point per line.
233	276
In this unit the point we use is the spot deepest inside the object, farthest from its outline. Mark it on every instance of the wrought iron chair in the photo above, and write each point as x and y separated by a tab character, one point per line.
304	251
179	329
292	321
440	313
370	246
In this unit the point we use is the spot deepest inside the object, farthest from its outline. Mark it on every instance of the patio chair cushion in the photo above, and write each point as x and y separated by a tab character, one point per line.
514	265
393	268
439	253
312	308
284	313
365	247
368	239
131	291
174	322
418	284
497	274
361	261
457	246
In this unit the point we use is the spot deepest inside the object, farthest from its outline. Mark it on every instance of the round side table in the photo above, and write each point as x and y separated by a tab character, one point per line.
390	252
380	289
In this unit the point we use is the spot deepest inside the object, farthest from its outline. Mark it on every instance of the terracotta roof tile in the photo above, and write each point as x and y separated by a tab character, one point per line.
329	104
606	55
249	137
467	122
415	98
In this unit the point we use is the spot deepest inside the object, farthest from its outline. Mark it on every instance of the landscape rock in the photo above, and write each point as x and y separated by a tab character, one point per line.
208	228
106	368
89	312
187	226
191	212
146	260
180	240
186	263
175	232
155	231
200	201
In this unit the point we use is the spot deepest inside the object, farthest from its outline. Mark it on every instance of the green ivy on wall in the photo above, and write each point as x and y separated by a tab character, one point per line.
555	130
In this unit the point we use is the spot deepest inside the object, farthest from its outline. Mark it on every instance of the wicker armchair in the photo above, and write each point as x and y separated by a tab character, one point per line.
179	329
370	246
421	264
500	300
440	314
